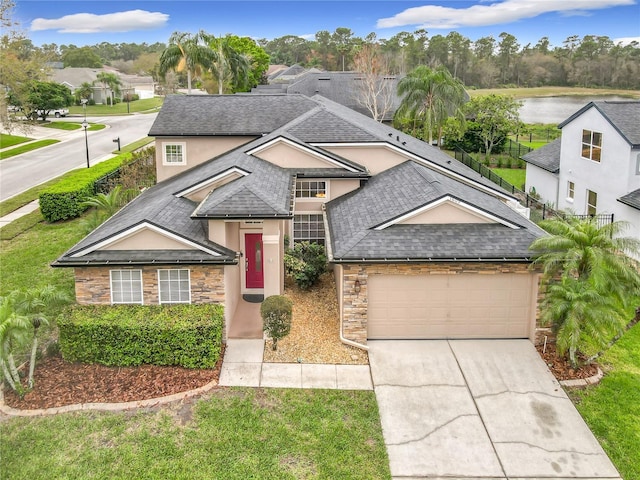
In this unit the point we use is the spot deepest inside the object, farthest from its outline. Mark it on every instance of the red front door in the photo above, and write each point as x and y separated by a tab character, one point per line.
253	260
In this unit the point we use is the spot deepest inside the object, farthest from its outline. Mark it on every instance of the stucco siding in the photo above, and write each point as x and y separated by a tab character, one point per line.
610	178
376	158
544	182
197	151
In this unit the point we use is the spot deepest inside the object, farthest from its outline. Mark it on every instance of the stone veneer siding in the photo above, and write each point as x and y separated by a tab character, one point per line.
93	283
354	306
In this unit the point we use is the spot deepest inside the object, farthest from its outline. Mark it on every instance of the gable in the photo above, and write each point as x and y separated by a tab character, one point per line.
445	212
146	239
286	154
197	193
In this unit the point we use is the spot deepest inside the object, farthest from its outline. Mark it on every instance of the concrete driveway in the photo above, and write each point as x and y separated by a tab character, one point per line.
479	409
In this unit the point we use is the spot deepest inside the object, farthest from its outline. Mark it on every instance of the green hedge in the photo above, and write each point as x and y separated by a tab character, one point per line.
64	199
127	335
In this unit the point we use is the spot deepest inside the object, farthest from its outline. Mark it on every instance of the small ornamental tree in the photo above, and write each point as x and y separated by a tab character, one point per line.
276	312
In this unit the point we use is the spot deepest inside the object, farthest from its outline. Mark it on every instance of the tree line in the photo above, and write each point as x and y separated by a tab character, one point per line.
488	62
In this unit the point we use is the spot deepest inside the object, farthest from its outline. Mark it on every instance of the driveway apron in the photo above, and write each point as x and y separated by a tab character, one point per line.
484	409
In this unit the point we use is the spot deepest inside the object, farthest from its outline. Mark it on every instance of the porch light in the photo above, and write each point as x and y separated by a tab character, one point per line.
356	286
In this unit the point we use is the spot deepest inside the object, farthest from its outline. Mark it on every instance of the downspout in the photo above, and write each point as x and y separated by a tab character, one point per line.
339	291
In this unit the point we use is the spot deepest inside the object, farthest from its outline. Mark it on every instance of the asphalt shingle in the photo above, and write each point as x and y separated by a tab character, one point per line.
546	157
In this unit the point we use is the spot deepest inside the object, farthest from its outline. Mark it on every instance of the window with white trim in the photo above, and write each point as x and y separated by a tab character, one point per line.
308	228
571	190
126	286
311	189
174	154
174	286
592	202
591	145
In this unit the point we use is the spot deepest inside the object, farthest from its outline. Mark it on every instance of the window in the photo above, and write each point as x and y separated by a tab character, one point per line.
174	286
311	189
308	228
591	145
126	286
571	190
174	154
592	202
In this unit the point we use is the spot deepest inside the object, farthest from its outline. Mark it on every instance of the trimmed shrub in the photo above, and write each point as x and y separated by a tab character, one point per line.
276	312
305	262
128	335
65	199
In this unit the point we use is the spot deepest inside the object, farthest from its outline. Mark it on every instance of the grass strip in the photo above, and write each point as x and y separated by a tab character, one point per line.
27	148
7	141
132	147
20	225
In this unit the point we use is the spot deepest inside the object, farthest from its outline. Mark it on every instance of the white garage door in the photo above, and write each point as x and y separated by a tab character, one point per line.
450	306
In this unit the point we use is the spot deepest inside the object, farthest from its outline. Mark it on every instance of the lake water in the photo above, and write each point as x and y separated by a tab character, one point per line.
556	109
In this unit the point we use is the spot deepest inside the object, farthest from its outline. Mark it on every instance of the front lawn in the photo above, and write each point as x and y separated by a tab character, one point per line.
25	259
147	105
612	408
232	433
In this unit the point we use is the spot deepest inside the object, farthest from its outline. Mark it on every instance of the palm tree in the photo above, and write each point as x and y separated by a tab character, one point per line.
107	204
84	91
111	81
579	313
228	66
429	98
14	330
587	251
590	280
20	312
185	52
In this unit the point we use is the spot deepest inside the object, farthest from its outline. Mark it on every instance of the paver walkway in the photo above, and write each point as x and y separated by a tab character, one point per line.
243	367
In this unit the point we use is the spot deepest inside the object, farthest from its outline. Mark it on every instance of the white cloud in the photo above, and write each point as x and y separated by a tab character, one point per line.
626	40
110	22
435	16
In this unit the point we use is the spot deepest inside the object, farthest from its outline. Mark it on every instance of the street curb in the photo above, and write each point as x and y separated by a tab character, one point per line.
106	407
583	382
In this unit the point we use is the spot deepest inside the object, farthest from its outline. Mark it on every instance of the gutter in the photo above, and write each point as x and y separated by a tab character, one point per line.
432	260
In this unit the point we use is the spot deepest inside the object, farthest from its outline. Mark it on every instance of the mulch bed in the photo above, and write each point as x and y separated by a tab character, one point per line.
562	368
59	383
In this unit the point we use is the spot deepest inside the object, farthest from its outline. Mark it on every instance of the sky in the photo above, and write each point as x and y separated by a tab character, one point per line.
88	22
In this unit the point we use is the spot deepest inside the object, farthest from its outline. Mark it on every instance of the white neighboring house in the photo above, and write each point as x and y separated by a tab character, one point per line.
595	167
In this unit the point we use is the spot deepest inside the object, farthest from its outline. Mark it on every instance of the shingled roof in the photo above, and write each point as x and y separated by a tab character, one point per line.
355	221
624	116
546	157
632	199
208	115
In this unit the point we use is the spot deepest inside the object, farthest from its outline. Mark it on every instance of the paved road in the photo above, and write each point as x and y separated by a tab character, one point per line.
20	173
481	409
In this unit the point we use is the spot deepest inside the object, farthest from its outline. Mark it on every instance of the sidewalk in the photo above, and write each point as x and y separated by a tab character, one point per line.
20	212
243	367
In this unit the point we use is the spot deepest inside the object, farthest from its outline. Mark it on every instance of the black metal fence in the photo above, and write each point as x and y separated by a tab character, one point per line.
538	210
515	149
